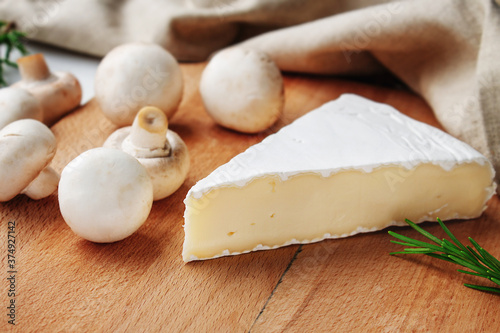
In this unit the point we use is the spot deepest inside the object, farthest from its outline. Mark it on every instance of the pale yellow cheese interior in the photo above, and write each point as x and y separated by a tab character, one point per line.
307	207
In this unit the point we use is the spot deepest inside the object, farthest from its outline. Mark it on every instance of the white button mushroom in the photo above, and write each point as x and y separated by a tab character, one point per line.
135	75
105	195
58	92
26	148
15	104
159	149
242	90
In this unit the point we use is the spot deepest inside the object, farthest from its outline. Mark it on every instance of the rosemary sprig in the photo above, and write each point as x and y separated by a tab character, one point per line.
478	260
11	39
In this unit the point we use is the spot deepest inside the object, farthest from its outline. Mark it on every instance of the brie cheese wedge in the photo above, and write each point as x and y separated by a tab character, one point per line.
350	166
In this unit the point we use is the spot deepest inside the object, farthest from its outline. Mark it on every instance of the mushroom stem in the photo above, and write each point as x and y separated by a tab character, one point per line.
148	135
149	129
33	67
43	185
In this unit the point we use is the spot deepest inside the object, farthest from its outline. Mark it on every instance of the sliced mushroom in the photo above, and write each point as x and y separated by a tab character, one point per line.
159	149
105	195
58	93
17	103
135	75
242	90
26	148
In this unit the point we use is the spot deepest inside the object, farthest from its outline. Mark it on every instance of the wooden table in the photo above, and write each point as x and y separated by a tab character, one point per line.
64	283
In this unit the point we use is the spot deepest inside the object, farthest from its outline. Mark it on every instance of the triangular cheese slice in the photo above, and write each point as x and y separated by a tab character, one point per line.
350	166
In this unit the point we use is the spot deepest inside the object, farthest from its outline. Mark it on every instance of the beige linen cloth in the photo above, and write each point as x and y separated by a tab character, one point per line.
448	51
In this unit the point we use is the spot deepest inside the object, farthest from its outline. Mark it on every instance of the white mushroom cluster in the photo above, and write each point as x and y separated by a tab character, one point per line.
103	195
242	90
106	194
136	75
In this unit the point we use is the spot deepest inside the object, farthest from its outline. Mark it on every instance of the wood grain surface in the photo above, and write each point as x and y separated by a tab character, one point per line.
67	284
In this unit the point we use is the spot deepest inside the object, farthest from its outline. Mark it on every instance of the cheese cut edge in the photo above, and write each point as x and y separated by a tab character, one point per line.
260	247
429	216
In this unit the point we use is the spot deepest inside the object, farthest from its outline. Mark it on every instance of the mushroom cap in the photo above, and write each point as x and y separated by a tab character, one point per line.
242	90
105	195
43	185
58	93
167	173
135	75
26	147
17	103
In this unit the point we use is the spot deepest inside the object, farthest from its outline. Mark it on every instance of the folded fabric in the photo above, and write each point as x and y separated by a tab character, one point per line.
444	50
189	29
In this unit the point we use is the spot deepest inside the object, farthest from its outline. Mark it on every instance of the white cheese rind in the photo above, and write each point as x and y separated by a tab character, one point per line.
323	140
351	133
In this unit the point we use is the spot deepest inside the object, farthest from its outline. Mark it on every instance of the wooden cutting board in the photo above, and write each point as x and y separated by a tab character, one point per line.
64	283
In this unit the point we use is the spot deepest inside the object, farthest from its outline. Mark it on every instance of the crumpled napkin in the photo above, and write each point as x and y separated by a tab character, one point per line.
445	50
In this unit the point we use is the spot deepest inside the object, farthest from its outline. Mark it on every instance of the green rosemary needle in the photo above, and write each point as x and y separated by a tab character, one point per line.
11	39
476	259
